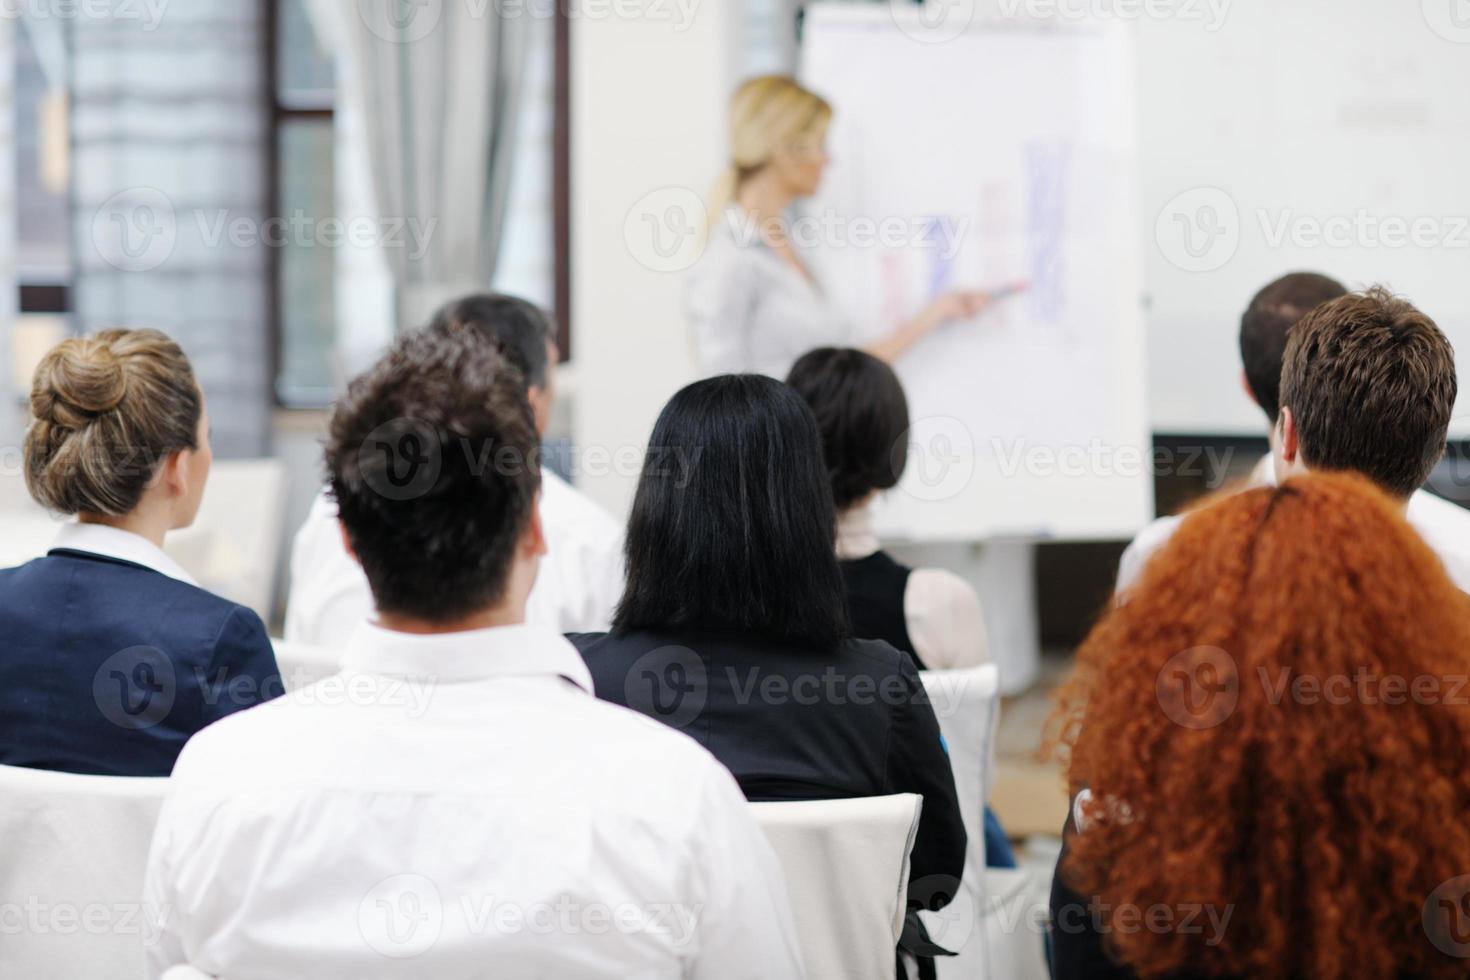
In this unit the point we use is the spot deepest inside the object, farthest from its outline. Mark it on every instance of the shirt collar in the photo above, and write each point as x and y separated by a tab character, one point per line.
855	537
113	542
503	651
1264	475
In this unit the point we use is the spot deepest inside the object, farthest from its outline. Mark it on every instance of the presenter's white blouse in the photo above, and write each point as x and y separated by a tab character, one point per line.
576	591
750	309
460	806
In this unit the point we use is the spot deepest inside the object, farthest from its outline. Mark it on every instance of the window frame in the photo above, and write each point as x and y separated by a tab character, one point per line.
279	113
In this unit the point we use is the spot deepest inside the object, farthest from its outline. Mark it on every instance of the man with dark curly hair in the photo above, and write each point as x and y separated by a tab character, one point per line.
456	803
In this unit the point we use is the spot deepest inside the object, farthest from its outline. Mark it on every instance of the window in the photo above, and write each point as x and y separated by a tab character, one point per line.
310	351
43	253
302	184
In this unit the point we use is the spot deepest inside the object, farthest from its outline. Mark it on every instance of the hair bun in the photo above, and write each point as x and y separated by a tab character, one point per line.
79	379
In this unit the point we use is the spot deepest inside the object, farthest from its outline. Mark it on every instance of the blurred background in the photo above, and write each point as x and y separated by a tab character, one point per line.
282	184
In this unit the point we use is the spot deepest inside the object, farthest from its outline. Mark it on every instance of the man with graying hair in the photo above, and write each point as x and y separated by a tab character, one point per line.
582	577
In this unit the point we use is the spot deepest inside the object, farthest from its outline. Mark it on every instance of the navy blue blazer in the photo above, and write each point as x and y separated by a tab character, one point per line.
108	667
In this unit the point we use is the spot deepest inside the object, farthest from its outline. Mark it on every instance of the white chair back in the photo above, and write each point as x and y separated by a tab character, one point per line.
185	973
26	533
846	864
1014	908
234	546
967	704
302	664
72	864
14	495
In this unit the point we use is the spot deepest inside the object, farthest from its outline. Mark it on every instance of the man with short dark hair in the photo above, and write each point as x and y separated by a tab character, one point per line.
456	803
1265	325
582	576
1368	384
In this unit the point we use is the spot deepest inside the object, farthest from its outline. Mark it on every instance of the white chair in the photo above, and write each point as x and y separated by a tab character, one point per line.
967	704
71	871
302	664
846	864
1015	906
14	494
26	533
185	973
234	546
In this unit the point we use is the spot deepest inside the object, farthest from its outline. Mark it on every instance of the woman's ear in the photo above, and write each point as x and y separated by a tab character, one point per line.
173	475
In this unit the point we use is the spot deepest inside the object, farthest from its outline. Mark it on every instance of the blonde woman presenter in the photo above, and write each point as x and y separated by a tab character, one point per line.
751	299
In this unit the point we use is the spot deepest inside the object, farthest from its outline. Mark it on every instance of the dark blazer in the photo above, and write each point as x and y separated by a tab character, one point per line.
109	667
798	724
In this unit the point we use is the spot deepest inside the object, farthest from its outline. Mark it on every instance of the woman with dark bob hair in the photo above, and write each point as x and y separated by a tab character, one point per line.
929	613
1271	752
734	626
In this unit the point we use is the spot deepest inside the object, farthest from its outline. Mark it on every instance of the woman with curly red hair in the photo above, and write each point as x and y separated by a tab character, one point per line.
1270	746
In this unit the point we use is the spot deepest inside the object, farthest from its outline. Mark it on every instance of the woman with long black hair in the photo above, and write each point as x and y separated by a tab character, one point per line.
734	624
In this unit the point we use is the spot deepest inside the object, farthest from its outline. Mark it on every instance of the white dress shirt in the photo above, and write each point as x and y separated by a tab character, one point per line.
460	806
941	610
576	591
1444	526
112	542
750	309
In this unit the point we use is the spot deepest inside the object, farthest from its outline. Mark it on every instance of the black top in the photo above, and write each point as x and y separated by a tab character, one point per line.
1077	944
798	724
875	590
108	667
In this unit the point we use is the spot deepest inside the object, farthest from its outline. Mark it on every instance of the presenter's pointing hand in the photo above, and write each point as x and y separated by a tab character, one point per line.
960	304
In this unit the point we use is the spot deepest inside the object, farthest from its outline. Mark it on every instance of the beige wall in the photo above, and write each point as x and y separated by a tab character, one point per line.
648	97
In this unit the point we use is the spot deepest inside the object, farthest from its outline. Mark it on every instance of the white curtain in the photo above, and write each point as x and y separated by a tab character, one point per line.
10	395
438	90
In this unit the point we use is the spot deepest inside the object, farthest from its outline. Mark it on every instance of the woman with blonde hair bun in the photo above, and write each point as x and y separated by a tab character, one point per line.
114	656
751	299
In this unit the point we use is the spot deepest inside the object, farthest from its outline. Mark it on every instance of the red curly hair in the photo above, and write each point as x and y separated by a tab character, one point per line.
1323	823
